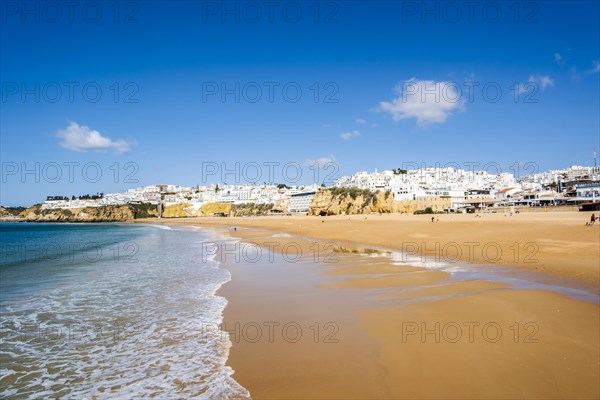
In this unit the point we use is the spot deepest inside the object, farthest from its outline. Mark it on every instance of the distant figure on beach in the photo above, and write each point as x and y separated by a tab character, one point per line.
437	219
592	220
432	219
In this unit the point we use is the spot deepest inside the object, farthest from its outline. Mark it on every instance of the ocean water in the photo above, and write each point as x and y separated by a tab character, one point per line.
111	311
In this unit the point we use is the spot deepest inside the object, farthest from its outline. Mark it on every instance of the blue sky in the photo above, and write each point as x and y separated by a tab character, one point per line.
383	84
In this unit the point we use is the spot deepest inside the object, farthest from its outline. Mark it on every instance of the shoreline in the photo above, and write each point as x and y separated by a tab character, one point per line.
357	290
551	245
373	301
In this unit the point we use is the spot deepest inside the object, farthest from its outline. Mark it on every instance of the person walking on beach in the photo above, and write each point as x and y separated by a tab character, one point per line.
432	219
592	219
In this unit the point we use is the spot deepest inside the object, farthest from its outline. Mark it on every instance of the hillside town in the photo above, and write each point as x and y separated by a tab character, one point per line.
440	189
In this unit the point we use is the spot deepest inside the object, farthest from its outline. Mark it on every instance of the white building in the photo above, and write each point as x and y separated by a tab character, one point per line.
300	202
507	194
589	192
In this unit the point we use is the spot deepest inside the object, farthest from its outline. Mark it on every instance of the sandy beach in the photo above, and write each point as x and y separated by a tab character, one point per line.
334	314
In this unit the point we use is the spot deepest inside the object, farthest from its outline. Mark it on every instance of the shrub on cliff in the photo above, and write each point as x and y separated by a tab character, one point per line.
246	209
428	210
144	210
353	192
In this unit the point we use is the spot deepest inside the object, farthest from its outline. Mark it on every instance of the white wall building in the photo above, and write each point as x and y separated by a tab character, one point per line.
300	202
589	192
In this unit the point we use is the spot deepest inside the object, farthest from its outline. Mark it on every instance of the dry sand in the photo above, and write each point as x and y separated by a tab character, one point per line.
373	328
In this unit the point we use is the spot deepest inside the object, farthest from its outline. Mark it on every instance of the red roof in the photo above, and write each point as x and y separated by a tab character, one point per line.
505	190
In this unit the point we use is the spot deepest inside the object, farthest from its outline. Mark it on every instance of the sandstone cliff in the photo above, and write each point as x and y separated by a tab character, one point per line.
250	209
210	209
88	214
190	210
10	213
336	201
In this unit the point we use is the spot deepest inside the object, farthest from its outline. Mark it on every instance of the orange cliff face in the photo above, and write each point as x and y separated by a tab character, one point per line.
355	201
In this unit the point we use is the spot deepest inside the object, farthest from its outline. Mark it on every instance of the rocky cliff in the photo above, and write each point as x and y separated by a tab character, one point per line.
210	209
88	214
191	210
133	211
336	201
250	209
10	213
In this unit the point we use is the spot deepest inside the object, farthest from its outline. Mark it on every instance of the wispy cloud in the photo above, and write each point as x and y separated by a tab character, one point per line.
535	81
360	121
575	74
81	138
349	135
321	161
429	102
558	58
543	81
327	126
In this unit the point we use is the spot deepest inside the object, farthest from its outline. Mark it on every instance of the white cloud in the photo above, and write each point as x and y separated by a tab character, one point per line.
327	126
429	102
81	138
534	82
360	121
349	135
321	162
543	81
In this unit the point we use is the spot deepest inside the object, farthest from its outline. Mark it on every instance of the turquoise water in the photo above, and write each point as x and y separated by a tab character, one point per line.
110	310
